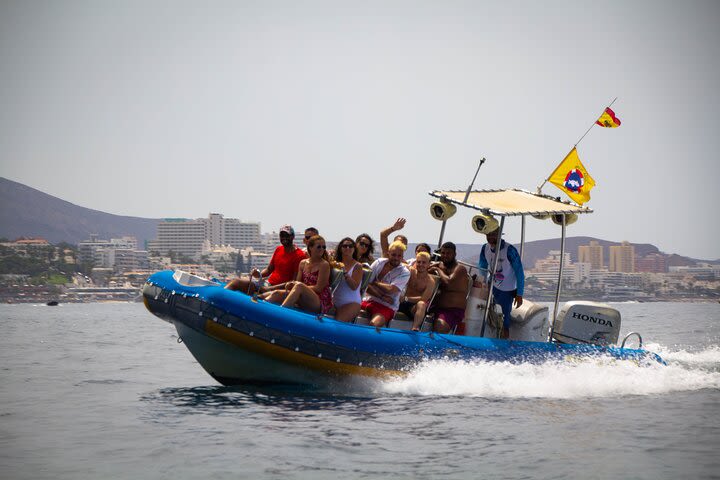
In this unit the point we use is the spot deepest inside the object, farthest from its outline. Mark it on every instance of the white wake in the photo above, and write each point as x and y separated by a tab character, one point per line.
596	377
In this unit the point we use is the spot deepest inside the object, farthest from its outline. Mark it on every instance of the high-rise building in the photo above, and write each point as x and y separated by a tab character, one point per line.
179	235
622	258
186	236
241	234
592	254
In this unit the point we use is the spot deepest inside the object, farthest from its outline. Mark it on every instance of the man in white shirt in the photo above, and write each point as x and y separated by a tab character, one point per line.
388	280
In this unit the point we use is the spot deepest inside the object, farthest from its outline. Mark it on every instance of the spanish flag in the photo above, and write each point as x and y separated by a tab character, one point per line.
572	178
608	119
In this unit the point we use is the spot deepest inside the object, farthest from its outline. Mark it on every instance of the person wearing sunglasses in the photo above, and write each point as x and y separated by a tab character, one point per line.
309	233
347	294
311	289
365	248
282	268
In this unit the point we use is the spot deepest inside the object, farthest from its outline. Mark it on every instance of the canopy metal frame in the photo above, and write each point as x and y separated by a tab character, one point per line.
512	203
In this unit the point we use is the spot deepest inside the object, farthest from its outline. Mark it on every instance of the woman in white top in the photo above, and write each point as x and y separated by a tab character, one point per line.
347	294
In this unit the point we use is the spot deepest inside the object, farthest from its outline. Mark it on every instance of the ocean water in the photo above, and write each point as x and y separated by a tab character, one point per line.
90	391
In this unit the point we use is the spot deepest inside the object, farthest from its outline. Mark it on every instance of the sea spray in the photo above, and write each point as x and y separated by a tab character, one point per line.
581	378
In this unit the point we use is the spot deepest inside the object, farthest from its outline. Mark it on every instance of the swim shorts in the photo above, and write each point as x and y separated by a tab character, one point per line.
451	316
406	308
375	308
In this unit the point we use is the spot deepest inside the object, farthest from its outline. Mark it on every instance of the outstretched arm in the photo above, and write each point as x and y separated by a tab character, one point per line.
384	234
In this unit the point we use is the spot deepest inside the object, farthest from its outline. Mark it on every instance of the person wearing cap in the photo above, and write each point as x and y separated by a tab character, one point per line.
509	280
282	268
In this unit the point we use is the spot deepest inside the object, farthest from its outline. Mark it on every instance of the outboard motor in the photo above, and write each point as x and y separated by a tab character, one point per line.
587	322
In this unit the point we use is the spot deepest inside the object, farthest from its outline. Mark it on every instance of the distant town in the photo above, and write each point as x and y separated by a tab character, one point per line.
114	269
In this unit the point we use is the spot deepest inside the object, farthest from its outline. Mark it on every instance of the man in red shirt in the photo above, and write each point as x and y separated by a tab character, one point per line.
282	268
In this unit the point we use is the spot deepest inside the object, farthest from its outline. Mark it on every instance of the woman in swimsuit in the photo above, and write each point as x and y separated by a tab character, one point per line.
347	294
311	290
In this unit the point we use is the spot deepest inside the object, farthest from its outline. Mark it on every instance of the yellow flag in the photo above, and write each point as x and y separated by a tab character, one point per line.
572	178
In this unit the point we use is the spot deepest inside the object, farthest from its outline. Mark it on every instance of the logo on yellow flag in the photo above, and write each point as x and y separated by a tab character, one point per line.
572	177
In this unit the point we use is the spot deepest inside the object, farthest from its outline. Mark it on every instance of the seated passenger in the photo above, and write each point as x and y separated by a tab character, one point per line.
365	248
384	234
311	290
449	305
388	279
421	247
347	294
419	290
282	268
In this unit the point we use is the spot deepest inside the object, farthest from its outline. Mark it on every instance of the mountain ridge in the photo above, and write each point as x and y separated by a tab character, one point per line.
26	211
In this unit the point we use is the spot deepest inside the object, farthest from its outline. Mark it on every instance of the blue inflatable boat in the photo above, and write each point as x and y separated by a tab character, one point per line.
239	339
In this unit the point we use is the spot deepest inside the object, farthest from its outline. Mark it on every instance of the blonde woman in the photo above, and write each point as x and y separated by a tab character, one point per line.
311	290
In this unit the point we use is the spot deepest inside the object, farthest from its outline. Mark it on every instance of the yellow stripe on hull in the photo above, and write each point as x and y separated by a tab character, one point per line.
298	359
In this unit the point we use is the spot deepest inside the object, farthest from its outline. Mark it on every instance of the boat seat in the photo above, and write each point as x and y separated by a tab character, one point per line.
362	319
365	280
401	322
335	277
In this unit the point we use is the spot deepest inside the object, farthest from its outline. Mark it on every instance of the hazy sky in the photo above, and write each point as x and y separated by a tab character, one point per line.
344	115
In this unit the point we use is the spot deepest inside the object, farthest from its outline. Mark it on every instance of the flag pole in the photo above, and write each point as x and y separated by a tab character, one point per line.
539	189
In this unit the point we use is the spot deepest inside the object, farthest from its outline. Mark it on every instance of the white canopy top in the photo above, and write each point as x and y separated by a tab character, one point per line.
509	202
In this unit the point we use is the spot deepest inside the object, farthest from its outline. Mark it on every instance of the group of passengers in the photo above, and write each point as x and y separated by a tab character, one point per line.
301	278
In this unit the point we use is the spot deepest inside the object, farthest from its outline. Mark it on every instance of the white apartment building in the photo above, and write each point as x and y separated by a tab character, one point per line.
179	235
186	236
548	268
88	250
702	270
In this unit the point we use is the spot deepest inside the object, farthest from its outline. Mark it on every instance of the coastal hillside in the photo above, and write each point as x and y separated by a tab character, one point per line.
27	212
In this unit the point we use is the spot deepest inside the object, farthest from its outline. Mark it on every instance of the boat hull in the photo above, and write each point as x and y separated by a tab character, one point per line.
241	340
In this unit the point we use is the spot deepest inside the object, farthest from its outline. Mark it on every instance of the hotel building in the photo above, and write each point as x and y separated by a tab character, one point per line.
186	236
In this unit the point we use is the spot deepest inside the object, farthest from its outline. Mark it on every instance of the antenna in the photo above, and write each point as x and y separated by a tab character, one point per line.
467	194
